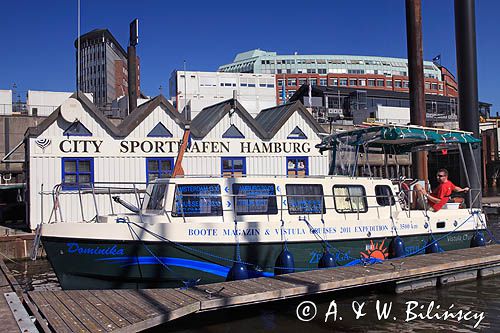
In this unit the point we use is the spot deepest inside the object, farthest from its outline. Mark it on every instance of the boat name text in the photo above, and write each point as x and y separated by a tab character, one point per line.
97	250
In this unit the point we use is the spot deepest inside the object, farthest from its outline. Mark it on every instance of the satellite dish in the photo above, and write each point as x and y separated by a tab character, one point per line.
71	110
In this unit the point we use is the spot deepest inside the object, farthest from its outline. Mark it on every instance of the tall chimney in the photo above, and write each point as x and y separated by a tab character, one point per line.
132	65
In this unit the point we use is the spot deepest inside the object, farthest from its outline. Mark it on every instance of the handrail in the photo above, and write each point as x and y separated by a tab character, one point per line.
325	203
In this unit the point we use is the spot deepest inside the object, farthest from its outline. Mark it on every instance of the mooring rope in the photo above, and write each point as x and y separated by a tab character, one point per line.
186	282
437	240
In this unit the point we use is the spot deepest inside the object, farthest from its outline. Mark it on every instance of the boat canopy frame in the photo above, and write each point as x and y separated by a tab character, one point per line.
401	139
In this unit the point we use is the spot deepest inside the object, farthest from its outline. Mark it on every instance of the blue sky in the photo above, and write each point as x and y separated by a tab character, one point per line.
38	36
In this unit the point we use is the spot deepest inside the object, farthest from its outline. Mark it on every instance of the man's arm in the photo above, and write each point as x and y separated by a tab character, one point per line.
459	189
432	199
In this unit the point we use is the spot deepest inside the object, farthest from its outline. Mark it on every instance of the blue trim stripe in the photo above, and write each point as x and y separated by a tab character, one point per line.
207	267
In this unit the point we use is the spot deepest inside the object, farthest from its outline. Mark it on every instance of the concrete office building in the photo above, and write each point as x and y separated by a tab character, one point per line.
202	89
359	72
103	68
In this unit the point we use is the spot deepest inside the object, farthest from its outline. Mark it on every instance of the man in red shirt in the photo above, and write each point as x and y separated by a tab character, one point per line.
441	194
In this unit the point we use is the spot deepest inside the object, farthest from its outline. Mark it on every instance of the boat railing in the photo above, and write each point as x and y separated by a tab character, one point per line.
300	205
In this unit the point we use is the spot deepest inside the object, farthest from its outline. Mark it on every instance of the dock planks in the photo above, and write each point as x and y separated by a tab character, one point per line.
136	310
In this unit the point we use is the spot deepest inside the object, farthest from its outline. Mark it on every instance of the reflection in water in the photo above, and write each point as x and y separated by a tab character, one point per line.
480	295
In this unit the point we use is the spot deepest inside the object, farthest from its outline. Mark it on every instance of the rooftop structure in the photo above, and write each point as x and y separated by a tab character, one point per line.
366	72
203	89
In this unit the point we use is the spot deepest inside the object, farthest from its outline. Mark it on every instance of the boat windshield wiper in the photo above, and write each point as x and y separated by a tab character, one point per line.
126	204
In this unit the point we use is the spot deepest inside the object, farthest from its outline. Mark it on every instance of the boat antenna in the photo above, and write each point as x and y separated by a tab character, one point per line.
185	91
78	52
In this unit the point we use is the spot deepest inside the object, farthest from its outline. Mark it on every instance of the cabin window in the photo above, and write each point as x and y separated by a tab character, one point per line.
156	197
77	172
350	199
255	199
159	167
233	166
297	166
384	195
197	200
305	199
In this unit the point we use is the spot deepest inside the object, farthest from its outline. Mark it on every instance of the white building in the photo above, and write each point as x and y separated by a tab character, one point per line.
43	103
5	102
120	105
390	114
201	89
76	143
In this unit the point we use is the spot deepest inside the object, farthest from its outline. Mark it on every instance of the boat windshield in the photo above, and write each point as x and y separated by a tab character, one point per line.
156	197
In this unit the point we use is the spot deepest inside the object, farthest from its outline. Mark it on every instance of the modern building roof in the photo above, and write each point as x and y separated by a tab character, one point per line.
98	33
265	61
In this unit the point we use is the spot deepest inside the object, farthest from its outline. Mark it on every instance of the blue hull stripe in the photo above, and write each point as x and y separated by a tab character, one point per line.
169	261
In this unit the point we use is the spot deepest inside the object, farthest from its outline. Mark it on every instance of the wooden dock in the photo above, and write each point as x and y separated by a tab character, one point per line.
136	310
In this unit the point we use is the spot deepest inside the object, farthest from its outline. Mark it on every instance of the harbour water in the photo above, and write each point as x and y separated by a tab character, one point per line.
474	303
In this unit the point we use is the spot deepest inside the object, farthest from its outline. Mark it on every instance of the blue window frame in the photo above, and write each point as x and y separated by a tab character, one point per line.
305	199
197	200
255	199
297	166
158	167
233	166
77	172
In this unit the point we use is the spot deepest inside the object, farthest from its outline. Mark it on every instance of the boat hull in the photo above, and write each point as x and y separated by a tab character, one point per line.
110	264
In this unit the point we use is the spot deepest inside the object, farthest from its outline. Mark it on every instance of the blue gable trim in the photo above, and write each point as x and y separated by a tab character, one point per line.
233	133
160	131
77	129
296	134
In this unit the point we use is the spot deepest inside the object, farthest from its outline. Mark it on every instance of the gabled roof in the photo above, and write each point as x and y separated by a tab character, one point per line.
272	119
211	115
139	114
122	130
88	105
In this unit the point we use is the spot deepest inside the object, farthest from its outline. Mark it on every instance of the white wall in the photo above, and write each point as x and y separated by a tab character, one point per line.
45	102
254	91
122	103
112	164
390	114
5	102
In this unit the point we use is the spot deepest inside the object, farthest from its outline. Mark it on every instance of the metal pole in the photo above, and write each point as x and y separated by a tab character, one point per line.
465	38
78	55
416	77
132	66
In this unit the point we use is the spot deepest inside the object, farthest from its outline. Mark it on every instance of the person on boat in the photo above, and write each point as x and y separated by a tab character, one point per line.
435	200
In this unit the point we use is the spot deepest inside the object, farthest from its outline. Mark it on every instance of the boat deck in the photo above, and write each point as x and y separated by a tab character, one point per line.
136	310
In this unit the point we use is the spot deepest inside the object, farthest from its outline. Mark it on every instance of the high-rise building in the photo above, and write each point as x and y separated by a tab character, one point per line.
103	67
348	71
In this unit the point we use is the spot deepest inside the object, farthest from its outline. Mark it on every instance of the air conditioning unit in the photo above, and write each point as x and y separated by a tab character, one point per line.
335	113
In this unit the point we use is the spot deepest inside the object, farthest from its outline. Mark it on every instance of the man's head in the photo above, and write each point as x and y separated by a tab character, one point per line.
442	175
